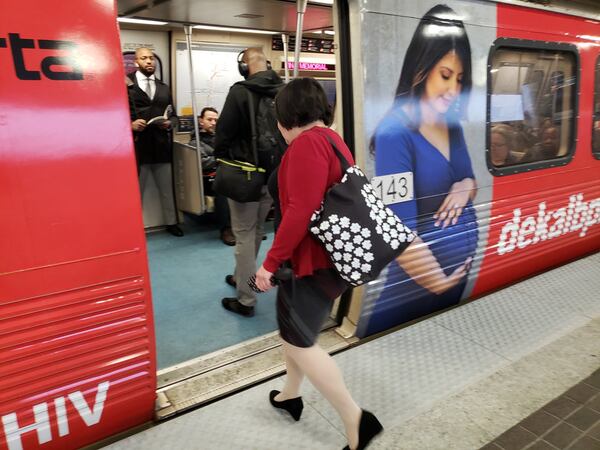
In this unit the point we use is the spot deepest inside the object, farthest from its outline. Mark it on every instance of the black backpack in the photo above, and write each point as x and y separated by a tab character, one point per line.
267	143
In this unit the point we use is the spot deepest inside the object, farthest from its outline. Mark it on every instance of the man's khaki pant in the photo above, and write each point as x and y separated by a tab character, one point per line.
247	224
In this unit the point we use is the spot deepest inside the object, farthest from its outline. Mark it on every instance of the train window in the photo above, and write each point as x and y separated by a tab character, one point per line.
596	119
532	99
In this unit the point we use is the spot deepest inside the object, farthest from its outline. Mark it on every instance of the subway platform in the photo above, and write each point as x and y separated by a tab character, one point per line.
512	370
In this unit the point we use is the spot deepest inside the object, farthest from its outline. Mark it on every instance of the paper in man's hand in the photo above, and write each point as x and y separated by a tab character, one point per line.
159	119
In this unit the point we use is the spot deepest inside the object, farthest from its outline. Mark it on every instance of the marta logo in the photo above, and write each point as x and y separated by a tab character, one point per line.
25	70
577	216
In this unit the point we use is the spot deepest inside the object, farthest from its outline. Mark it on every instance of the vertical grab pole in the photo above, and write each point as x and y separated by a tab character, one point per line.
284	39
300	10
188	37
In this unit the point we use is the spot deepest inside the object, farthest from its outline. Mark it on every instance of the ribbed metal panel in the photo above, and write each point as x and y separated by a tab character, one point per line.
72	341
77	352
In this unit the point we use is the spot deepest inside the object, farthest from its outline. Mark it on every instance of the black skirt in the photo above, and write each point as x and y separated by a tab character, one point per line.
303	305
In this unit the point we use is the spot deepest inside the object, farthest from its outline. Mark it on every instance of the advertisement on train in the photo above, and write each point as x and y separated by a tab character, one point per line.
453	114
431	126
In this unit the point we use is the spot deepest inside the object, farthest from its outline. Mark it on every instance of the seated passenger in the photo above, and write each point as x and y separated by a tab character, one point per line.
546	123
501	145
546	149
207	124
523	137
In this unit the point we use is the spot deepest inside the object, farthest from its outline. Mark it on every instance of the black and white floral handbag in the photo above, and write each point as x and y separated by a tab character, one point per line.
360	234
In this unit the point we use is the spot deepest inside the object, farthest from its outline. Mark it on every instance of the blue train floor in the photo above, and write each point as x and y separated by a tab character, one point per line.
187	279
517	369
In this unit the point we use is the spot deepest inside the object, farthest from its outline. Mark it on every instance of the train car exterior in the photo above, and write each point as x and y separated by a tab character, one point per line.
524	75
77	359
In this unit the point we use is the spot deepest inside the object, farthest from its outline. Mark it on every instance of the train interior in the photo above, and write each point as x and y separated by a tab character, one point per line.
188	273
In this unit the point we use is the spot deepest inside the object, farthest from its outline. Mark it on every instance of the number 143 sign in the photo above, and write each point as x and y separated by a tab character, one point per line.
394	188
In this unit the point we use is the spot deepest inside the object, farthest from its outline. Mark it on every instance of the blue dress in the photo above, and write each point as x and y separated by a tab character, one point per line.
402	149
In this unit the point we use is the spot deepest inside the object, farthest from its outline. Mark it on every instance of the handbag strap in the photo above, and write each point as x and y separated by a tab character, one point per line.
343	161
253	126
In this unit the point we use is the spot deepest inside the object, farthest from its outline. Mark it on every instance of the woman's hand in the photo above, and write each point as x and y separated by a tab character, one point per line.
455	277
455	202
263	279
420	264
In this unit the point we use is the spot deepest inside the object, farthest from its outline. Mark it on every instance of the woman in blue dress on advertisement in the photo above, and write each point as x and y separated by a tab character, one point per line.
421	134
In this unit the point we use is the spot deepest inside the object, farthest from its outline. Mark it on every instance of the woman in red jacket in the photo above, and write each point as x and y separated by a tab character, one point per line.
308	169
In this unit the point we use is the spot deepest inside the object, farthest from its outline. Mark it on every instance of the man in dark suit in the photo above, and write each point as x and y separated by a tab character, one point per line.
149	98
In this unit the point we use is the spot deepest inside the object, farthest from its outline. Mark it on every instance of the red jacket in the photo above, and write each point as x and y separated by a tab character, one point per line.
308	169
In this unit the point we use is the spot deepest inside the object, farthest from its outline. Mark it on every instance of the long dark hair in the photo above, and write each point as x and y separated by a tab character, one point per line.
439	32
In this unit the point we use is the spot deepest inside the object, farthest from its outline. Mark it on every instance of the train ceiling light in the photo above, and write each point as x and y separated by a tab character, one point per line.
234	30
141	21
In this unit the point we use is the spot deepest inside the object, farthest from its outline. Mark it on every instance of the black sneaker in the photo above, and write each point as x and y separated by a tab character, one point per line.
232	304
230	281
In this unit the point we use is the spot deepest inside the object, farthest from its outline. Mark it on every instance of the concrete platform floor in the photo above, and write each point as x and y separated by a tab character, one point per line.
464	379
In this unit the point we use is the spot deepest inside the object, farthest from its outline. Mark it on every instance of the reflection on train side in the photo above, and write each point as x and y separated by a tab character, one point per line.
532	105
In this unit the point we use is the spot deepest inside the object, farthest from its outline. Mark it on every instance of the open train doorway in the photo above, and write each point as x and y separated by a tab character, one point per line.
188	273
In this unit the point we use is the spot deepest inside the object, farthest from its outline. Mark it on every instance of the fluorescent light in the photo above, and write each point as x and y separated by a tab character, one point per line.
141	21
330	32
234	30
323	2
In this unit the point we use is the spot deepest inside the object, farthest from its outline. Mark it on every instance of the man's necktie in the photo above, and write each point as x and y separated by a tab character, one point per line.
148	88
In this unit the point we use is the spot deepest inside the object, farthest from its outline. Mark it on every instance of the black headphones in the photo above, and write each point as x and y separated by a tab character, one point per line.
243	67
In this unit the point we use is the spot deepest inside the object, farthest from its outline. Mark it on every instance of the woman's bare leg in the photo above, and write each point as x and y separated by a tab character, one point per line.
293	379
326	377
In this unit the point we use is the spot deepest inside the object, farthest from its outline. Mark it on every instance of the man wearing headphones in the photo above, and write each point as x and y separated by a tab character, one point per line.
234	141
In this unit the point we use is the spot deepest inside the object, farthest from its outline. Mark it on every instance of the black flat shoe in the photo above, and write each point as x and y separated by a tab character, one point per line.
368	428
233	304
230	281
293	405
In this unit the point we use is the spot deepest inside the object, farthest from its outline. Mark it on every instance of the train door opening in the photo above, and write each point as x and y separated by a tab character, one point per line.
188	273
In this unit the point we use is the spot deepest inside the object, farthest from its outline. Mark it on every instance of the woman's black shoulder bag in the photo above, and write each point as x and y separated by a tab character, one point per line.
360	234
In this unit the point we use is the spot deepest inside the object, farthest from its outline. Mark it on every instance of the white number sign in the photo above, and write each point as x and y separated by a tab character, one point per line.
394	188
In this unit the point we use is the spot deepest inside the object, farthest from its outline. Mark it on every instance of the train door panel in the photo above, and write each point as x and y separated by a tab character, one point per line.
533	198
76	331
394	143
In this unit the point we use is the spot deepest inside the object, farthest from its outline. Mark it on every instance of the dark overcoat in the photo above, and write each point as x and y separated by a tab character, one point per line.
154	144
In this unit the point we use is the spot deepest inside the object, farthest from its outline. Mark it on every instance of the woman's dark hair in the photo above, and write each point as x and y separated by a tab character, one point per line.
300	102
439	32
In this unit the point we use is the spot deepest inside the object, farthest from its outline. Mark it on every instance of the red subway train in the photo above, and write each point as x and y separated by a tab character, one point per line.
504	184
